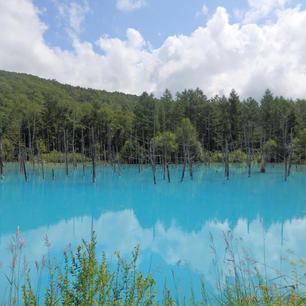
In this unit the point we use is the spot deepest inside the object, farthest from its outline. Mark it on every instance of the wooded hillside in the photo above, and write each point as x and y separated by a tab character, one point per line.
45	117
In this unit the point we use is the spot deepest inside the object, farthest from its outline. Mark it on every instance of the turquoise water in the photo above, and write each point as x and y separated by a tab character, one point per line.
172	222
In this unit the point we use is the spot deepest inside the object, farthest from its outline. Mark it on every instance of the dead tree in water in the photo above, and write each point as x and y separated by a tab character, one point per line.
226	163
285	148
23	165
19	149
190	163
31	149
66	152
249	153
286	165
73	144
290	152
165	161
153	163
249	161
33	141
168	173
185	161
83	151
263	158
109	145
152	149
41	162
93	155
42	166
1	155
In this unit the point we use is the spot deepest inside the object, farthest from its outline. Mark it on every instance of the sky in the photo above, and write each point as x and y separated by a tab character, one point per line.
150	45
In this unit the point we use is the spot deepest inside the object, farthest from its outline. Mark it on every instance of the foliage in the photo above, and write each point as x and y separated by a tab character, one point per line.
165	143
59	157
35	113
88	279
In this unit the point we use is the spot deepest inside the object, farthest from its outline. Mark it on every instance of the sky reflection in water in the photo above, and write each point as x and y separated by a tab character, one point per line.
171	222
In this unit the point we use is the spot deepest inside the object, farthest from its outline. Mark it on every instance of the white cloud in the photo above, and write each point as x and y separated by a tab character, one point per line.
215	58
203	11
130	5
260	9
77	15
74	13
121	231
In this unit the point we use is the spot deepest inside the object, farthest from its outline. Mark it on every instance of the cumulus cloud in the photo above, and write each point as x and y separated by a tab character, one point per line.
262	8
130	5
216	57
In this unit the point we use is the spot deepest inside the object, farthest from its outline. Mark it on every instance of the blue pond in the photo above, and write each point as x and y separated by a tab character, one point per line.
172	222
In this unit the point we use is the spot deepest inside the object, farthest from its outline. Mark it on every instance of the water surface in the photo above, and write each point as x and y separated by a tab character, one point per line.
172	222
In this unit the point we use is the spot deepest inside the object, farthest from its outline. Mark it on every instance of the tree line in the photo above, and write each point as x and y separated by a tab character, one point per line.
45	120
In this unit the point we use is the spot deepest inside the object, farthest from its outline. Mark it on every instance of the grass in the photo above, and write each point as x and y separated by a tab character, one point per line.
87	278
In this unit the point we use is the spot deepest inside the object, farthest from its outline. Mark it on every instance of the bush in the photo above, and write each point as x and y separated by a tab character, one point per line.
86	281
59	157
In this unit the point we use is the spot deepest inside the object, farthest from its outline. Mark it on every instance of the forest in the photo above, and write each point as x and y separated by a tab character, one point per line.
46	120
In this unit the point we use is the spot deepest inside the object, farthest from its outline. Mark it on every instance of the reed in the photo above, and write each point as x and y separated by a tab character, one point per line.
88	279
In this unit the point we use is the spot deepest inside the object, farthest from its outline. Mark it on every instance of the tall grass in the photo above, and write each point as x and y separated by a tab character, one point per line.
87	278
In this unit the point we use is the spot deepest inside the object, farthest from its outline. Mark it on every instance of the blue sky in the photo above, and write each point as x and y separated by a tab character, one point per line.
149	45
156	19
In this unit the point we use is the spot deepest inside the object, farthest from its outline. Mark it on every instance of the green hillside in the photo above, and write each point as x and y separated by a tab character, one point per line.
39	116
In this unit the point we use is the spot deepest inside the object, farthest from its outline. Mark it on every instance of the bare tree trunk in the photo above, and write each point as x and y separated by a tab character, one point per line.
109	145
138	157
83	152
66	152
164	157
249	154
164	167
93	155
168	172
104	153
24	169
19	149
286	166
190	163
290	152
42	165
185	161
118	159
34	140
226	166
152	159
30	146
263	158
285	148
73	144
98	156
249	161
40	162
204	153
1	154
